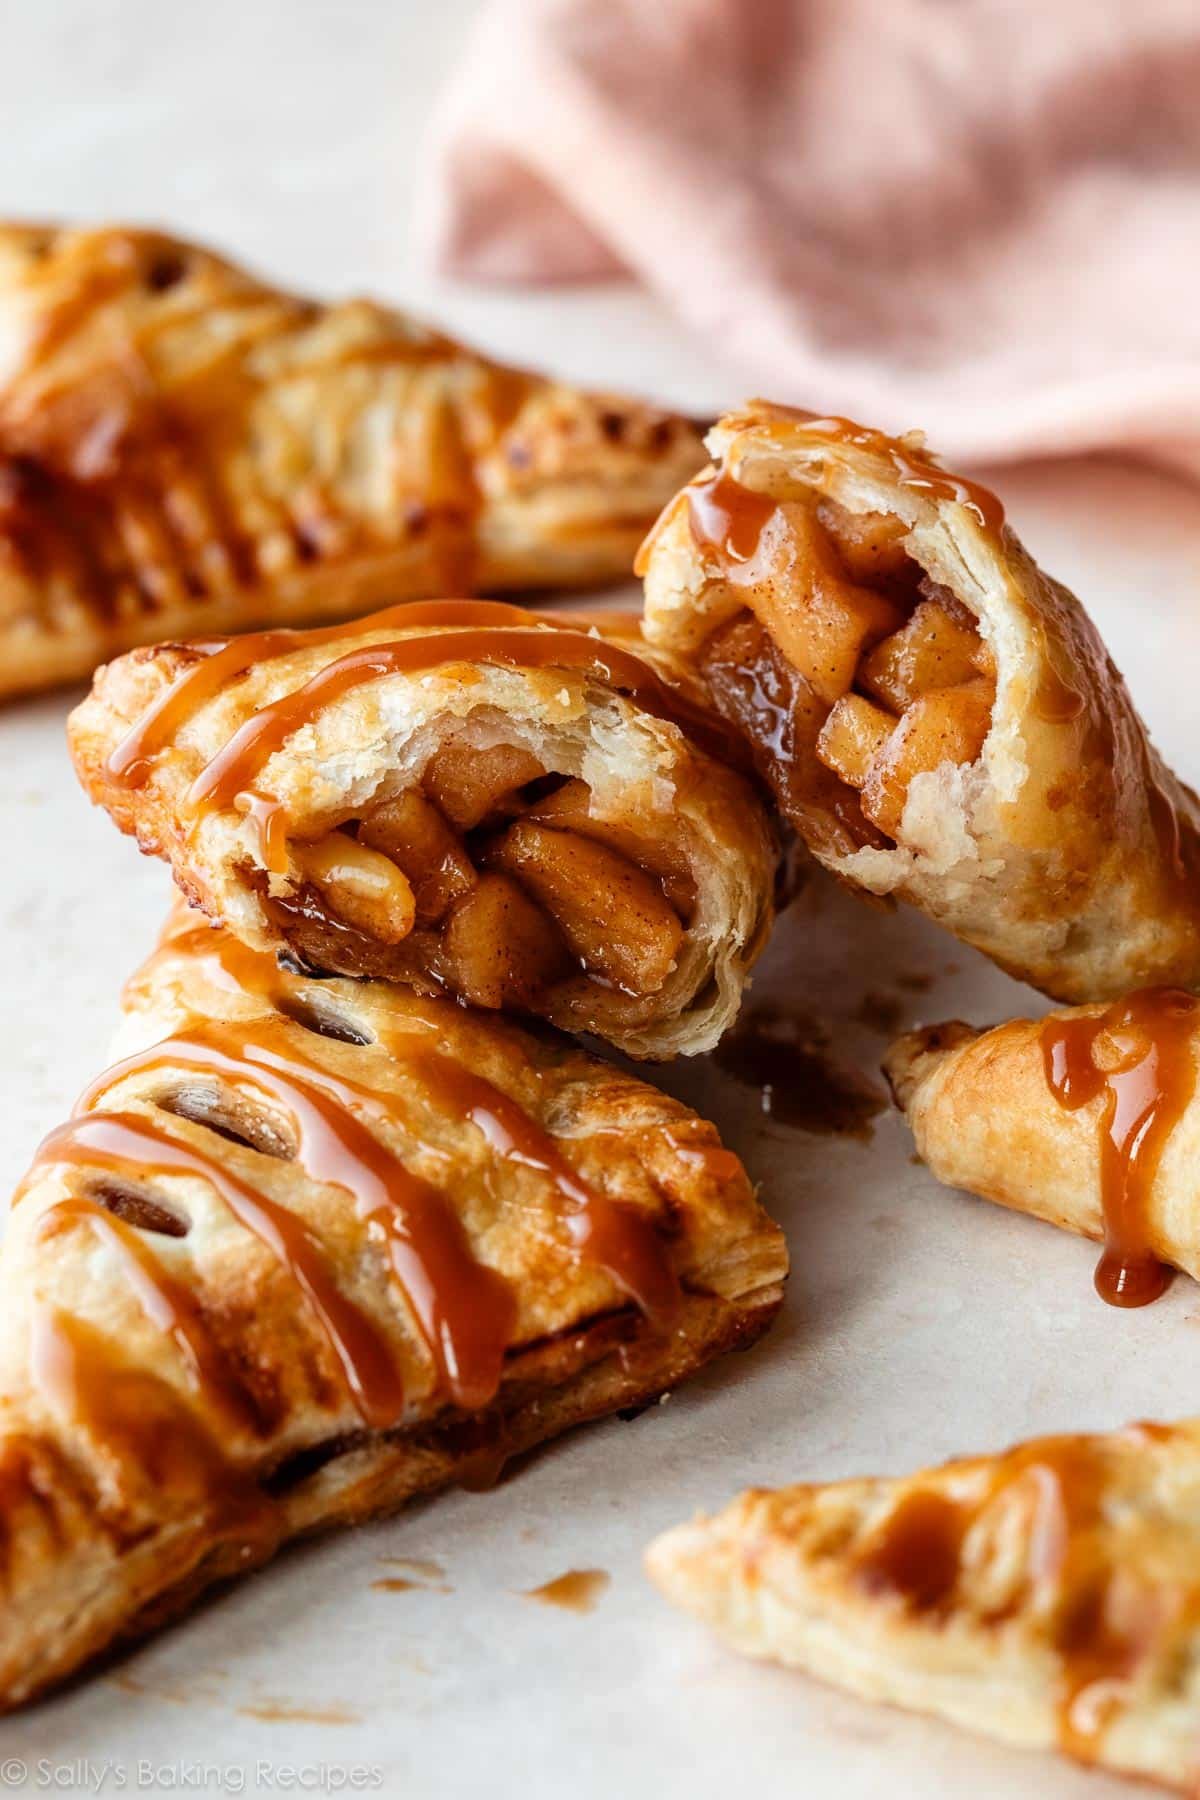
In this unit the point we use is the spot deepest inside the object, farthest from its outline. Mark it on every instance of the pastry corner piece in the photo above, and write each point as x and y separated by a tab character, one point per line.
1048	1596
185	449
537	815
1088	1118
937	717
312	1248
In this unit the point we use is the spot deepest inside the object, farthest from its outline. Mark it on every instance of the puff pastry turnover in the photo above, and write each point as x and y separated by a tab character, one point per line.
937	717
1049	1596
186	449
524	813
315	1247
1088	1118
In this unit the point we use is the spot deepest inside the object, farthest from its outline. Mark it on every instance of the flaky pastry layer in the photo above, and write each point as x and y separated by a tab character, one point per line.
1047	1596
938	718
314	1247
532	815
185	449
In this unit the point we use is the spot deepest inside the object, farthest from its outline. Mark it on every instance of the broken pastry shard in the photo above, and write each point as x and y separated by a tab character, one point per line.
937	718
186	449
315	1247
1048	1596
531	815
1088	1118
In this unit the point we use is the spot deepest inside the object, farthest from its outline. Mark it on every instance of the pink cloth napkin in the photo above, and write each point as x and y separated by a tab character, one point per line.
981	217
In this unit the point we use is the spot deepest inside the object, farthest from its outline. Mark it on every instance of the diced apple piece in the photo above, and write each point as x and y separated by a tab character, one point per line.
614	918
412	832
363	887
822	622
852	737
948	725
498	948
568	809
931	651
756	688
871	545
469	785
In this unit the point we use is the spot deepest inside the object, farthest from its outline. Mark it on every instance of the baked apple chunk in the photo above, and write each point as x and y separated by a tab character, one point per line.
937	718
532	815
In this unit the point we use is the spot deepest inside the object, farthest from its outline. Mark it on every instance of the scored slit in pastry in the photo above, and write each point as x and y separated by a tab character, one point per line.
937	718
184	448
1088	1118
1048	1596
527	814
313	1248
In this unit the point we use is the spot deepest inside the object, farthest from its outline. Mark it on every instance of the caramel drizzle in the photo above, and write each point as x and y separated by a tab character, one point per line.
1147	1043
79	1374
166	1302
605	1231
730	517
223	660
916	1556
129	1143
463	1309
257	739
492	632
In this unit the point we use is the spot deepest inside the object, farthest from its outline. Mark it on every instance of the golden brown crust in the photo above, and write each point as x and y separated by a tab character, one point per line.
1048	1596
651	895
181	1394
1009	1114
1058	842
185	449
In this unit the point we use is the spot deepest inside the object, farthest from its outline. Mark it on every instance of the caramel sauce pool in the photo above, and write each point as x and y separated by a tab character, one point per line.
577	1591
800	1083
1136	1058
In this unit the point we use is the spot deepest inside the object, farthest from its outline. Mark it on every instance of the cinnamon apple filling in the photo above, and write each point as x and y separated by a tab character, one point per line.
493	879
854	681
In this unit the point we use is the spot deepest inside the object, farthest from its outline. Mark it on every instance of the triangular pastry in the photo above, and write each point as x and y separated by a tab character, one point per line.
1049	1596
532	814
185	449
1089	1118
938	719
315	1247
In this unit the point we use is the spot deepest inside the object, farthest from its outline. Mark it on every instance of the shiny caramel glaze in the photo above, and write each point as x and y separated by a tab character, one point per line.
140	1420
139	1148
262	1284
869	621
922	1549
467	630
577	1591
463	1308
237	765
802	566
215	664
1136	1058
333	1125
482	860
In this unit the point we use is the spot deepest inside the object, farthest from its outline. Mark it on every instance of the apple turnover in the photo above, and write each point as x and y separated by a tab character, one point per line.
185	449
937	718
313	1248
1048	1596
1088	1118
526	814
